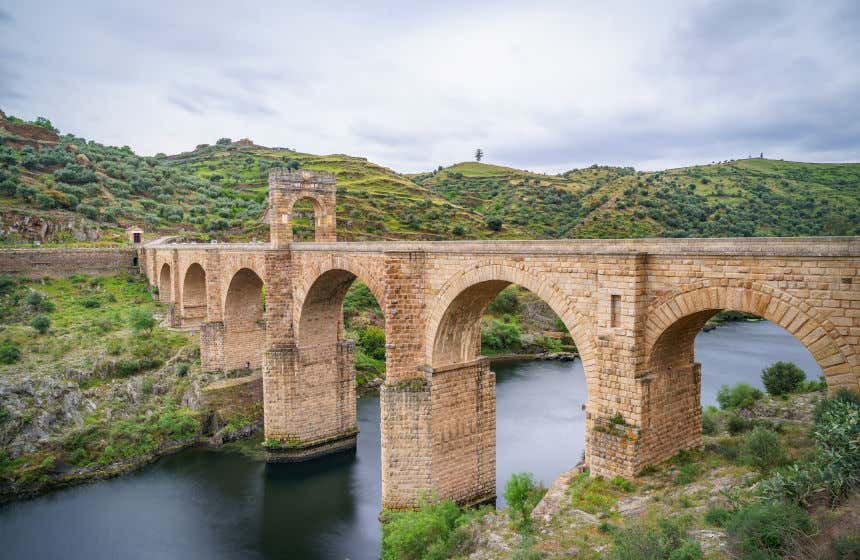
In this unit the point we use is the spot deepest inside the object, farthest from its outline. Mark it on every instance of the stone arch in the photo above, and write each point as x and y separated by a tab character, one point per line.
675	319
244	321
671	384
319	214
193	296
351	266
165	284
475	288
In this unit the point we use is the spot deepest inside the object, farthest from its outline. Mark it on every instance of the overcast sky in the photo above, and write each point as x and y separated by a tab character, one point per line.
541	86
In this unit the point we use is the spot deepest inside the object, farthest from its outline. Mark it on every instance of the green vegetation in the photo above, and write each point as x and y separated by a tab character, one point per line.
739	396
219	191
522	494
763	449
437	530
782	378
766	530
655	538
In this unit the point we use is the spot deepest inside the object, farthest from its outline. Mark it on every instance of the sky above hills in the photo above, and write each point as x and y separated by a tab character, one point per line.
543	86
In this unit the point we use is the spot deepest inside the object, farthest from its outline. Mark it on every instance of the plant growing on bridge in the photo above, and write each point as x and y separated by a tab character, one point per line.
782	378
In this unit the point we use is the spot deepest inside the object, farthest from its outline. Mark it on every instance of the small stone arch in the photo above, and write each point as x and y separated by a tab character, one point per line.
319	214
165	284
475	288
193	296
244	321
674	321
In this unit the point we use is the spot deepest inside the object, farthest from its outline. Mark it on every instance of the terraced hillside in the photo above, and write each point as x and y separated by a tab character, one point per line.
753	197
69	190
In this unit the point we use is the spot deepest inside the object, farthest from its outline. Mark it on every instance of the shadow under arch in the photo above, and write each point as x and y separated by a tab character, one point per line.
244	321
165	284
193	296
461	302
672	412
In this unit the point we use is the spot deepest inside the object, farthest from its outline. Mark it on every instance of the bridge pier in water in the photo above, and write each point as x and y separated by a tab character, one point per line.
633	308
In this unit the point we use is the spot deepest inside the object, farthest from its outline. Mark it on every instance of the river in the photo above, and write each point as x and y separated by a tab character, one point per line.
204	503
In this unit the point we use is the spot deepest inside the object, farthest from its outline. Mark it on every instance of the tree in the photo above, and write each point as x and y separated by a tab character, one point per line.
223	142
41	323
782	378
494	223
479	154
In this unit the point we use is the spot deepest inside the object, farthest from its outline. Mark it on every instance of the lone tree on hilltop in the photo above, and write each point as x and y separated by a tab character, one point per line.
479	155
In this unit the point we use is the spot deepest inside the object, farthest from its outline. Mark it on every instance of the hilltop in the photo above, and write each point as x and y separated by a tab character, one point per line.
66	189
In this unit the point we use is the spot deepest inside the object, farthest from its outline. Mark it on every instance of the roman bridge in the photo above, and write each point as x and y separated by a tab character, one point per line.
632	307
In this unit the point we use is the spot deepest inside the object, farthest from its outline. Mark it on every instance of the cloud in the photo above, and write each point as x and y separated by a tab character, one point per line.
545	86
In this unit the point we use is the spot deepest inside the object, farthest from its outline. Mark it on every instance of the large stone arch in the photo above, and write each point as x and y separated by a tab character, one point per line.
675	319
494	278
462	394
165	284
316	268
671	384
193	296
244	321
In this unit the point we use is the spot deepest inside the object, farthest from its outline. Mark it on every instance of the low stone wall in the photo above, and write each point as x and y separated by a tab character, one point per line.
229	397
59	262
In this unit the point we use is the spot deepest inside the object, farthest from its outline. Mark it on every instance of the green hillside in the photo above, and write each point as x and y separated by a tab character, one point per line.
65	189
754	197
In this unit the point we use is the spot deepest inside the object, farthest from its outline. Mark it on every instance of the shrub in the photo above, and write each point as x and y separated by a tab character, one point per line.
41	323
782	378
710	421
182	369
500	336
717	516
522	495
141	320
9	352
372	341
434	532
663	539
494	223
763	449
147	386
458	230
741	395
34	299
762	530
7	284
738	424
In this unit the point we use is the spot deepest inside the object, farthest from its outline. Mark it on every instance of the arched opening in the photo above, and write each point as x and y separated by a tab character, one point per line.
244	321
165	284
340	348
678	384
304	217
486	425
194	296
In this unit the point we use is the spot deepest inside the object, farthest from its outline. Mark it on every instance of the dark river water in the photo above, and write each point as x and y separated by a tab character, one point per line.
225	503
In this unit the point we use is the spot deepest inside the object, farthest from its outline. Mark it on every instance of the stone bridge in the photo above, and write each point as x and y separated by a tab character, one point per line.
633	308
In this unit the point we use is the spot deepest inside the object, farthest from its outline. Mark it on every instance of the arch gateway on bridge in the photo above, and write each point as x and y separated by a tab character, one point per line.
633	308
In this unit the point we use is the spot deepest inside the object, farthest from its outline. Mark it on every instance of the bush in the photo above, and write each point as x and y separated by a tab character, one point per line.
741	395
763	449
738	424
494	223
372	341
717	516
182	369
522	495
41	323
141	320
762	530
782	378
9	352
458	230
434	532
646	539
710	421
500	336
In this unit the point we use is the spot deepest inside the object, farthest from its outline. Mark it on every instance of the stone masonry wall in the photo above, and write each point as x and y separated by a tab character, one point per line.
464	431
56	263
229	397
